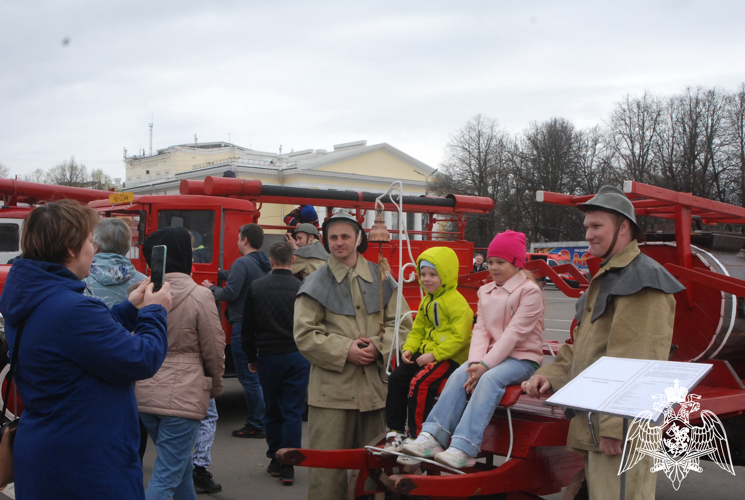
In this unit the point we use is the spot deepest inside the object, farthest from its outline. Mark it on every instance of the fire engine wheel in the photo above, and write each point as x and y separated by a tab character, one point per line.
379	476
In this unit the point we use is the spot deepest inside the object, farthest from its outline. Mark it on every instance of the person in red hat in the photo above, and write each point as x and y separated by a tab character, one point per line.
506	349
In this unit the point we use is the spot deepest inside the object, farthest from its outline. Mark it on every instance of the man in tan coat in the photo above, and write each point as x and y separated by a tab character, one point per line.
336	328
309	252
627	312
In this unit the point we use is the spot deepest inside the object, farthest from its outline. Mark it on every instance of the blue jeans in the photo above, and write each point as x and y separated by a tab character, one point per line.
464	430
284	379
174	438
249	381
205	437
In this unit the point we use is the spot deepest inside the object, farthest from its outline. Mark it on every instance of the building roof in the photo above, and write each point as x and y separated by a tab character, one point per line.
312	163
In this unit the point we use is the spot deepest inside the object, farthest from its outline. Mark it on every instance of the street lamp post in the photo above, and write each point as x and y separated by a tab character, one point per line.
426	179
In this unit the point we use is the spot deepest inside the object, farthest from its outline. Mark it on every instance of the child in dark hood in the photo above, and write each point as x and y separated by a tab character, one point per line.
174	401
178	242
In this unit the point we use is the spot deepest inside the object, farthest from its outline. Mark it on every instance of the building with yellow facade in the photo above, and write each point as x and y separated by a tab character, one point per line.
351	166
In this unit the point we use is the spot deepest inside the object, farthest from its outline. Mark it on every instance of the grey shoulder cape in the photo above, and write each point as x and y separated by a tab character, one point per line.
336	297
315	251
642	272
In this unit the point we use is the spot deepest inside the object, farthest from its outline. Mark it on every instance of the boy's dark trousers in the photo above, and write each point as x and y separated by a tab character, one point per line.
284	380
414	388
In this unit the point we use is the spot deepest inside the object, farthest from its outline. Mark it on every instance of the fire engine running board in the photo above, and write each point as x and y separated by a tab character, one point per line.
378	451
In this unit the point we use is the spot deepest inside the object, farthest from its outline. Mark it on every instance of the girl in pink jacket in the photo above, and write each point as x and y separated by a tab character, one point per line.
506	348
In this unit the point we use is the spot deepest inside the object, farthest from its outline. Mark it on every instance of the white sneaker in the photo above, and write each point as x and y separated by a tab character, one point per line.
424	446
393	441
406	461
455	458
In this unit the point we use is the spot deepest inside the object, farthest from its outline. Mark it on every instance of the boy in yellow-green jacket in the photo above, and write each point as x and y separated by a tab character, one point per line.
437	344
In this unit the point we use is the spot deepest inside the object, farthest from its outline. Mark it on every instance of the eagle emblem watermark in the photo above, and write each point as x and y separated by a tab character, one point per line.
675	445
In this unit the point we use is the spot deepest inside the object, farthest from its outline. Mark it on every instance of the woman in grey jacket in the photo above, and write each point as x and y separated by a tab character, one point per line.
175	400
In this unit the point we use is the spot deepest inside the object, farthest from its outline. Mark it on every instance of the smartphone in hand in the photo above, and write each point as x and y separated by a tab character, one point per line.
158	268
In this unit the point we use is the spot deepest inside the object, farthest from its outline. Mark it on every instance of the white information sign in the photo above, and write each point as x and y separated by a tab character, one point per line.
626	387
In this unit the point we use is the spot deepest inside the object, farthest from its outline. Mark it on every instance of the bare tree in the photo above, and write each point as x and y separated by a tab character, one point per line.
546	158
4	171
735	130
475	164
100	180
68	173
594	161
39	175
633	125
712	165
690	144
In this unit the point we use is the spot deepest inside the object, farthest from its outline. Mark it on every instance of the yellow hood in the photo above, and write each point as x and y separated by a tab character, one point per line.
446	264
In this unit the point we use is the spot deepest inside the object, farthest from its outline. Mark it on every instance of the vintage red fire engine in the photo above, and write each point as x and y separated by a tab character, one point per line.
524	445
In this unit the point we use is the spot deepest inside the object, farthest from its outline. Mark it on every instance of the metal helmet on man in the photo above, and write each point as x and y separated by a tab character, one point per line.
611	199
347	219
307	229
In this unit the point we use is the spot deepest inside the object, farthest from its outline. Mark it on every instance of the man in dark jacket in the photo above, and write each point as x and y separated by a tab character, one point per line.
479	264
283	371
251	266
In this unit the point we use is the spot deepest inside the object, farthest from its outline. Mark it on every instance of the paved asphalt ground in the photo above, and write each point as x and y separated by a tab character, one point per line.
240	464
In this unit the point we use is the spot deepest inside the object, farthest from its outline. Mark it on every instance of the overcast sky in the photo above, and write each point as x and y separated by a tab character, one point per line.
84	77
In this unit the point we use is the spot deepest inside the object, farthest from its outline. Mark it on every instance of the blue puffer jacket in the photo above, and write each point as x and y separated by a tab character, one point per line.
111	276
77	363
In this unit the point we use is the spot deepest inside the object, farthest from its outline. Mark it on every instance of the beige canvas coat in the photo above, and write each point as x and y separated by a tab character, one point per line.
634	326
324	339
305	266
192	371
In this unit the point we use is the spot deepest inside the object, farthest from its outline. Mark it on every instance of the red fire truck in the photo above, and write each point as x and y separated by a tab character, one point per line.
708	325
18	200
215	209
524	445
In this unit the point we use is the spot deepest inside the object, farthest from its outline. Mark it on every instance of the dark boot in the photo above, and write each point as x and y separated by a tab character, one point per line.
287	475
203	482
248	431
274	468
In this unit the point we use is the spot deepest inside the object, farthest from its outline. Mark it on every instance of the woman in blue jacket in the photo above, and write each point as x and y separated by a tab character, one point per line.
77	363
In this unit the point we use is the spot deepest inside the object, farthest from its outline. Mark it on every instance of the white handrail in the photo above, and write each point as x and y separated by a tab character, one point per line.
403	235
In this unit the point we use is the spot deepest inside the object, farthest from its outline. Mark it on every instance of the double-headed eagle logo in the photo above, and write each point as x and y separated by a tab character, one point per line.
675	445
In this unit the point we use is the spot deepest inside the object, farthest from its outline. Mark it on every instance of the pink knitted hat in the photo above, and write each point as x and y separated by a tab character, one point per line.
509	246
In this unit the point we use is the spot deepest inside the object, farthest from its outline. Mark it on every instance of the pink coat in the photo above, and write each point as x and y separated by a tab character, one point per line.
510	322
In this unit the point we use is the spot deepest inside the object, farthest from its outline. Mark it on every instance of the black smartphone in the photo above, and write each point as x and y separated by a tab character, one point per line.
362	345
158	268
